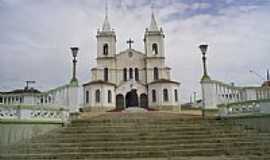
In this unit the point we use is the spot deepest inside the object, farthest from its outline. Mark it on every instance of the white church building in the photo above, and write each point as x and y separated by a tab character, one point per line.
131	78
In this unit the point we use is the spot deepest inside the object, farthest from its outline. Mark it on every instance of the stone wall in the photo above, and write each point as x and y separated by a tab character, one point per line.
14	132
260	123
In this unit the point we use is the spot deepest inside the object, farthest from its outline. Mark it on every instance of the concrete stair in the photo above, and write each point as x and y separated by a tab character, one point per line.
149	136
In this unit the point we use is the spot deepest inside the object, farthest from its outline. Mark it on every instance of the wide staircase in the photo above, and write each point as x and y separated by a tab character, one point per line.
149	136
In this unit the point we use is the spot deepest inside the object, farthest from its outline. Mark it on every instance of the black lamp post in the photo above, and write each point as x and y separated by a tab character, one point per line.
205	76
203	49
74	51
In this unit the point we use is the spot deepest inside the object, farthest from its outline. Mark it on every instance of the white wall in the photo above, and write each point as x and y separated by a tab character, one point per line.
159	94
216	93
104	88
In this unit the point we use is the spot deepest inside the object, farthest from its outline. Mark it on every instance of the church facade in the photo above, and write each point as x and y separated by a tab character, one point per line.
131	78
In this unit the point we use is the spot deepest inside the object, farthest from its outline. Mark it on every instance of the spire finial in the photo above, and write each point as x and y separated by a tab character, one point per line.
106	25
152	7
106	8
268	76
153	24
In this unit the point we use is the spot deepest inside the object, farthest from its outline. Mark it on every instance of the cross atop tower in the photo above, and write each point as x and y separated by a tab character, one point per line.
129	42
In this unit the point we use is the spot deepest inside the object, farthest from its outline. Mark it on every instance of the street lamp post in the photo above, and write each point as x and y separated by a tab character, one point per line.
203	49
74	51
205	76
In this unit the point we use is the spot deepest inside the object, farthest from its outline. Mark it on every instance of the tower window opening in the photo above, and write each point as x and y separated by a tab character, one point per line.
154	48
105	49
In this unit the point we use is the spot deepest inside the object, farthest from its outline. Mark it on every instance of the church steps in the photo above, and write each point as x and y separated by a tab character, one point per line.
148	125
152	126
148	140
239	151
226	145
131	144
135	137
128	137
148	131
143	121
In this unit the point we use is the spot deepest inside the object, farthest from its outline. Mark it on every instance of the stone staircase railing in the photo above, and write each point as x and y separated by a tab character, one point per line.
33	113
251	107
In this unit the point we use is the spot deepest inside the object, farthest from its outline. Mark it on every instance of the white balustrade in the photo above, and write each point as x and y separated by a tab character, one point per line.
31	112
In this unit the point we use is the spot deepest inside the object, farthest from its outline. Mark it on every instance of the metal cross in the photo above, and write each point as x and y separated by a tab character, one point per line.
129	42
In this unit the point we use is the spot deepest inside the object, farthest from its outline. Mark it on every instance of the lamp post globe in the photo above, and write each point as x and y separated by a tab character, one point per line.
203	48
74	51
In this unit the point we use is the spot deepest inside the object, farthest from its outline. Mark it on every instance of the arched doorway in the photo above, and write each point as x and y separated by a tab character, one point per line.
132	99
143	100
119	101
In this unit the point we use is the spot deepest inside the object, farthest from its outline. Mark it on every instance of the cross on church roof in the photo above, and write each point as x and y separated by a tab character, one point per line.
129	42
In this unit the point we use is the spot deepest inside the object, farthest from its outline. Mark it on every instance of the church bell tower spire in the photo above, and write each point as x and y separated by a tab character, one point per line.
154	38
106	24
153	25
106	38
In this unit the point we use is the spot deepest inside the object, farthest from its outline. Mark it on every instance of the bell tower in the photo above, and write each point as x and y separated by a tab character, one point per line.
106	39
154	50
154	39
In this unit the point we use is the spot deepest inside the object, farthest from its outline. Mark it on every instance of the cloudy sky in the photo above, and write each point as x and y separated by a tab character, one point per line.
35	37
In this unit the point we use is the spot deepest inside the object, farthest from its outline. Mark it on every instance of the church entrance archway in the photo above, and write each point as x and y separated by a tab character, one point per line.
119	101
132	99
143	100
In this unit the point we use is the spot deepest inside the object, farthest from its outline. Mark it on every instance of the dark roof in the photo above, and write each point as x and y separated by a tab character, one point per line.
99	82
266	84
21	91
164	81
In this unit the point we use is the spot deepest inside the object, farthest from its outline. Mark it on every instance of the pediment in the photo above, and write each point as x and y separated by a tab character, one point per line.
131	53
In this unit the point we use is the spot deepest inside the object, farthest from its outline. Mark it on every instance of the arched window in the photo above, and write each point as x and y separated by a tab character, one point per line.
130	73
155	48
136	74
50	99
106	74
165	95
105	49
156	76
21	99
154	96
175	95
87	97
97	95
109	96
125	74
